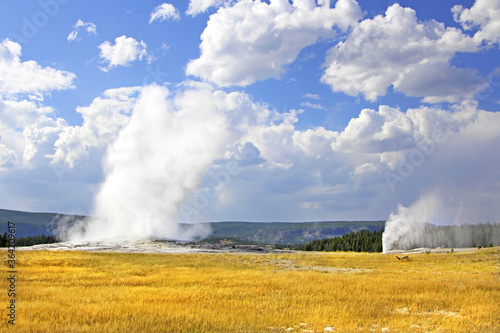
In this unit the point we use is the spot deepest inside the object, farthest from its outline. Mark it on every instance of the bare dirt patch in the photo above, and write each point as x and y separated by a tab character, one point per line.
294	265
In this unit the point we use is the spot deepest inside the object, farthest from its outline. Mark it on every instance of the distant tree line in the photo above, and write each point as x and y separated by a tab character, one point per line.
359	241
29	240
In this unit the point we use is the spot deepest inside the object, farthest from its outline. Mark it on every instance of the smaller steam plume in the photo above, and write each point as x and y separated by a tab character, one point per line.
438	220
158	159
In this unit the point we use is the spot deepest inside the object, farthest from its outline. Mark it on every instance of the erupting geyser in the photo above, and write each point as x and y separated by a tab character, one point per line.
457	214
157	160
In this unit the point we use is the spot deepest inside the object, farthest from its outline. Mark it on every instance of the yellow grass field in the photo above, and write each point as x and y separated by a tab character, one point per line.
58	291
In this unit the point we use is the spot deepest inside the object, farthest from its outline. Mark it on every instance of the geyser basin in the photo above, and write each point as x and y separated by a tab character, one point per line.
148	245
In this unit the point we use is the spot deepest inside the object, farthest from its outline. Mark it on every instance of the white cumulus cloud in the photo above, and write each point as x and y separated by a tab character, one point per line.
28	77
483	15
164	12
200	6
398	50
387	129
125	51
90	28
15	117
102	121
254	40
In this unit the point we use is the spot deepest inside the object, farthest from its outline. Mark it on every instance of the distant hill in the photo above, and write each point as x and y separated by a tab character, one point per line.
290	233
31	224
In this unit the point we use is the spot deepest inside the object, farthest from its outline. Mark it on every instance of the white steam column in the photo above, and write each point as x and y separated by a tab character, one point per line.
156	161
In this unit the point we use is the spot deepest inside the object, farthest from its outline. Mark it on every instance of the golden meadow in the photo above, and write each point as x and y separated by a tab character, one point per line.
289	292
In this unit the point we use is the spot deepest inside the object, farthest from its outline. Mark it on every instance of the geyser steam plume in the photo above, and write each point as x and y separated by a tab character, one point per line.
156	161
411	227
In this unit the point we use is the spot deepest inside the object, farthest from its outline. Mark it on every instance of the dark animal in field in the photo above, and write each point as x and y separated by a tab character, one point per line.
403	258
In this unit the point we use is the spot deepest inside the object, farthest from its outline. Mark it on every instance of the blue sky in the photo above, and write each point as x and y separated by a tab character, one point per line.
345	95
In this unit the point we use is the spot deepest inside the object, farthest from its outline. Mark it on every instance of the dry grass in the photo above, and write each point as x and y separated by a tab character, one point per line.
348	292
